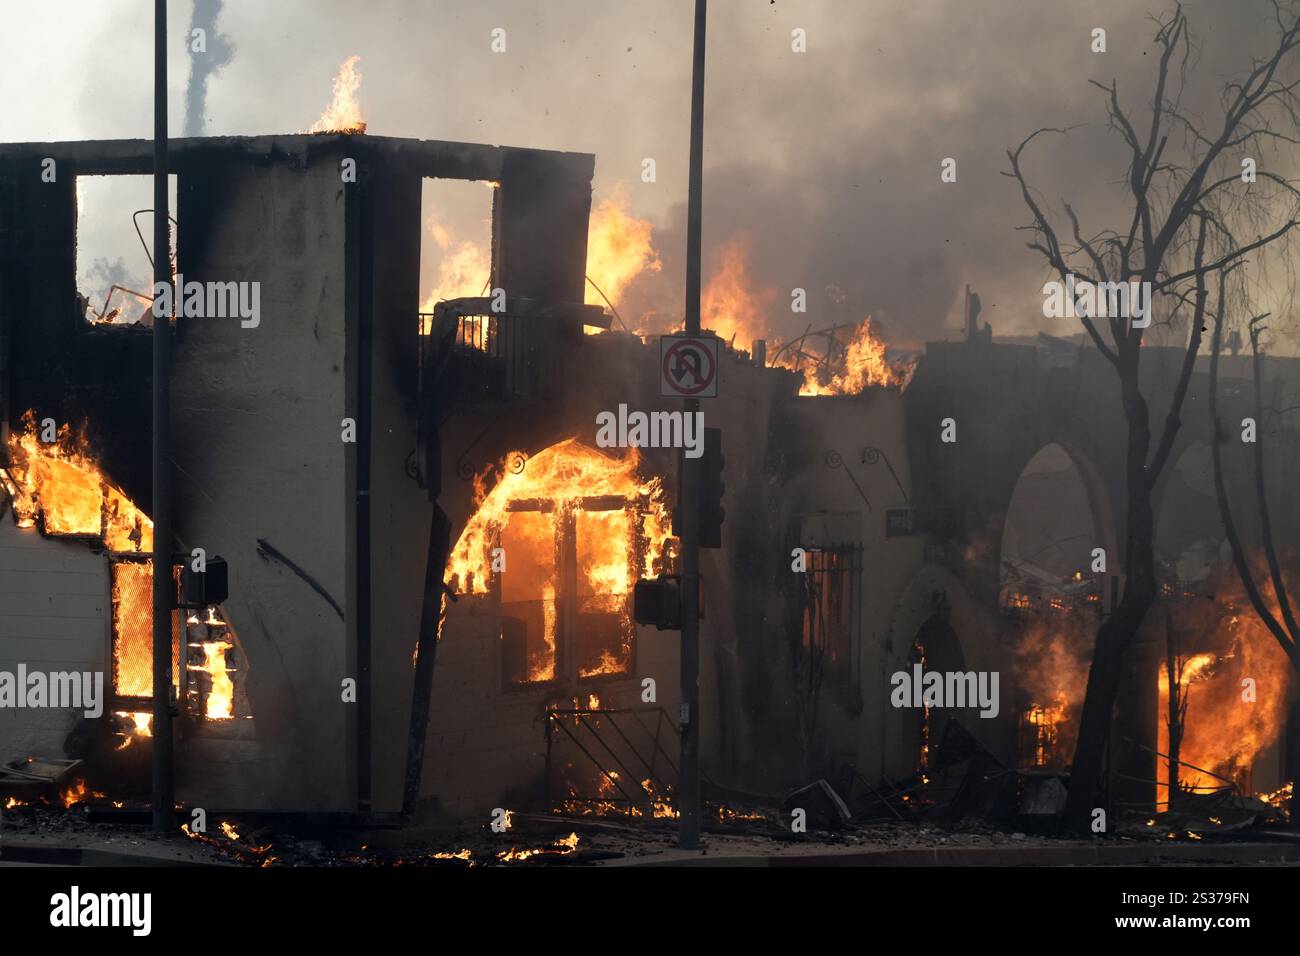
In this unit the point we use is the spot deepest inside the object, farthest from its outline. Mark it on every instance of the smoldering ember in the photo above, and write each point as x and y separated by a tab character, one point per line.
877	447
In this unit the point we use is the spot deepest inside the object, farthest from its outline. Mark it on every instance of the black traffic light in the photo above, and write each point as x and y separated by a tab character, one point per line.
711	511
658	601
201	589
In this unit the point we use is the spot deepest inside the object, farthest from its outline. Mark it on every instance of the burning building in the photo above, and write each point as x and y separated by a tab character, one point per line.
432	565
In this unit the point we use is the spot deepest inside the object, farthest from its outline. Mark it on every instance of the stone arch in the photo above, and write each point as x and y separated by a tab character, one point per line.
1096	490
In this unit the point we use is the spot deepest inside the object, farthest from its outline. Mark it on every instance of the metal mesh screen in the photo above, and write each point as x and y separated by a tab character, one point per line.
133	630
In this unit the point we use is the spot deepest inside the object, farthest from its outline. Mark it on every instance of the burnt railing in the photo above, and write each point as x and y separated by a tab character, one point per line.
625	751
485	350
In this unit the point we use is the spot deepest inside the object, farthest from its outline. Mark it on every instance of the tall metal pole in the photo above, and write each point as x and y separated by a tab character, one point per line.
164	597
688	797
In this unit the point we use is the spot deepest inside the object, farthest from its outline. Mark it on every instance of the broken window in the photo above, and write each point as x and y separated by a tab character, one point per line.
114	258
455	250
565	594
558	542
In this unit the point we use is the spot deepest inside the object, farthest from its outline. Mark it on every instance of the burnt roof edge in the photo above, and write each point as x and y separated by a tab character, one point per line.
435	158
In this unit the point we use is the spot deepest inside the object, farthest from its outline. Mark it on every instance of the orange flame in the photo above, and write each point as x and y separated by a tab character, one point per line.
463	270
561	847
221	698
564	474
343	115
862	364
730	304
1052	661
620	247
60	484
1223	734
617	521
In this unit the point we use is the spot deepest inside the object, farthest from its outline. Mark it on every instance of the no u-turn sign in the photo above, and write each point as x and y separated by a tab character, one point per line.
688	366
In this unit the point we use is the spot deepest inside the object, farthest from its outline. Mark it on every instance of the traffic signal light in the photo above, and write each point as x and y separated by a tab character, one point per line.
658	601
204	588
711	511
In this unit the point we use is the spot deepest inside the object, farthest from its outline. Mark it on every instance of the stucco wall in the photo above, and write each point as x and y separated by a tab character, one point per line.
257	444
54	616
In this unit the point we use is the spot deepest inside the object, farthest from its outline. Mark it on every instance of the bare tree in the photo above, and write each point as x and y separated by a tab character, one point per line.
1285	630
1187	210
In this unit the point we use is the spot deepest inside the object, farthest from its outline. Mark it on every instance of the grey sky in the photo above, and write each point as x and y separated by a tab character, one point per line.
828	161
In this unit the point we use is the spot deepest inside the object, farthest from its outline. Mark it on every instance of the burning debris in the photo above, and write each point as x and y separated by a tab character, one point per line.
561	847
343	115
1233	696
855	360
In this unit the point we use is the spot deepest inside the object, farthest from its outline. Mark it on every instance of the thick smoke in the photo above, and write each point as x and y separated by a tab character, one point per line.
203	66
844	198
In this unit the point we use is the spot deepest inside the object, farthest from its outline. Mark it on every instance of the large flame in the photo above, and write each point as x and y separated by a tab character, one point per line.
1223	734
1052	660
861	363
220	703
343	115
463	269
731	304
60	484
562	475
620	247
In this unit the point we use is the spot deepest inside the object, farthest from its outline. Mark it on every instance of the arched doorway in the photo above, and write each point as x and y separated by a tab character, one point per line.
1052	584
936	647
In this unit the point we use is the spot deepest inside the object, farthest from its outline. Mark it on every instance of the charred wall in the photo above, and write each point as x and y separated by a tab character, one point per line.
56	365
260	472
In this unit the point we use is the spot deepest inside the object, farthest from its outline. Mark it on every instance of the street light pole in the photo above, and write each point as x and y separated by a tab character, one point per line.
688	785
164	802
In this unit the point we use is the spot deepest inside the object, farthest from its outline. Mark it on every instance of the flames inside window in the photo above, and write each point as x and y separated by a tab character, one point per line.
133	630
560	540
54	484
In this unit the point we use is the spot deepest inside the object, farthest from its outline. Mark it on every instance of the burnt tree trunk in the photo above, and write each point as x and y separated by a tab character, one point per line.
1119	629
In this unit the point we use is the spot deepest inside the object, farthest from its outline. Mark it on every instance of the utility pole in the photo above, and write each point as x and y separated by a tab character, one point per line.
688	784
164	596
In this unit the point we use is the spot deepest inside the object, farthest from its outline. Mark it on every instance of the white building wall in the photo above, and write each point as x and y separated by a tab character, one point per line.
54	616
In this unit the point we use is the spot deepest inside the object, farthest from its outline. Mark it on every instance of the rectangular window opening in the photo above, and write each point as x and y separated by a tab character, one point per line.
114	251
456	249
